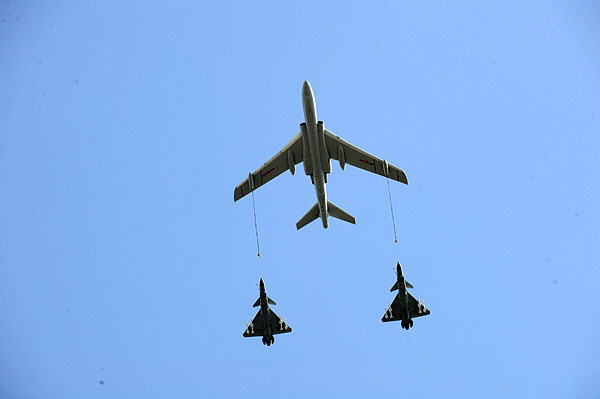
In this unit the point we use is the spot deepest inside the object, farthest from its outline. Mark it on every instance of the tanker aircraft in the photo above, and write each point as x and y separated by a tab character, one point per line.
315	146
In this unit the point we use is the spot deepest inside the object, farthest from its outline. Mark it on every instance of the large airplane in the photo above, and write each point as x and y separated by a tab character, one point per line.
315	146
266	323
405	306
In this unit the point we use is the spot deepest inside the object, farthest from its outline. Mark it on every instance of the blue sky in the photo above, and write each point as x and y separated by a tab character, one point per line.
123	259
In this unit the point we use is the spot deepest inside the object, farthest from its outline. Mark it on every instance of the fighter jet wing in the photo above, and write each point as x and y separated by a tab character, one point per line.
393	313
286	159
416	308
256	327
278	326
339	148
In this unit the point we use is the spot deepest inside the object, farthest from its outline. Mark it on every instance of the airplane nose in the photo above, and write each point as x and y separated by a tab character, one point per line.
306	88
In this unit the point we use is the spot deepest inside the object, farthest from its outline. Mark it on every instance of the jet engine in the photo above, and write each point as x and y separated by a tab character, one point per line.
325	160
307	157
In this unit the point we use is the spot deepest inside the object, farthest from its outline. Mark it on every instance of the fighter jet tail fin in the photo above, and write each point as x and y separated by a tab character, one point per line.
311	215
395	286
339	213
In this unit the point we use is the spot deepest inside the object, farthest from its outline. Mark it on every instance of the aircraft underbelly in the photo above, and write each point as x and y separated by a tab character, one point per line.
318	175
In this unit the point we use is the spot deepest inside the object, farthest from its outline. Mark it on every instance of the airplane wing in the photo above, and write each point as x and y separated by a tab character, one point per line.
291	154
278	326
416	308
256	327
354	156
394	311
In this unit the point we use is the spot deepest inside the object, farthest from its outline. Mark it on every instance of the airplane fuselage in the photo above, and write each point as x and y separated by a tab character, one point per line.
316	160
403	294
264	311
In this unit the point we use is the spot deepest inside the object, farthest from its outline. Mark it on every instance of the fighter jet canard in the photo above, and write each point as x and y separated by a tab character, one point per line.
266	323
405	306
315	147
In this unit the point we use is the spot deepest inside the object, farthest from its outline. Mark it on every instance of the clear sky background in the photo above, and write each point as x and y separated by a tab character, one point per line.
126	270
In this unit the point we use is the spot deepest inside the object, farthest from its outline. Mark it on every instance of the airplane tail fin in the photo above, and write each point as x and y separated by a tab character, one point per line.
314	213
339	213
311	215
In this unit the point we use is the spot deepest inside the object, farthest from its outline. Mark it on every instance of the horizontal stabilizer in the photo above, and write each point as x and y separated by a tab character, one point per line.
395	286
269	300
311	215
339	213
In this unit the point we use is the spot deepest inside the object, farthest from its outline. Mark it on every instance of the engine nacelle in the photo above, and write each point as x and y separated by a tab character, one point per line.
307	161
291	162
341	157
324	154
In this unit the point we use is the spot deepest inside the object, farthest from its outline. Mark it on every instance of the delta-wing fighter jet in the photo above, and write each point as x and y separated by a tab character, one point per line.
315	147
405	306
266	323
